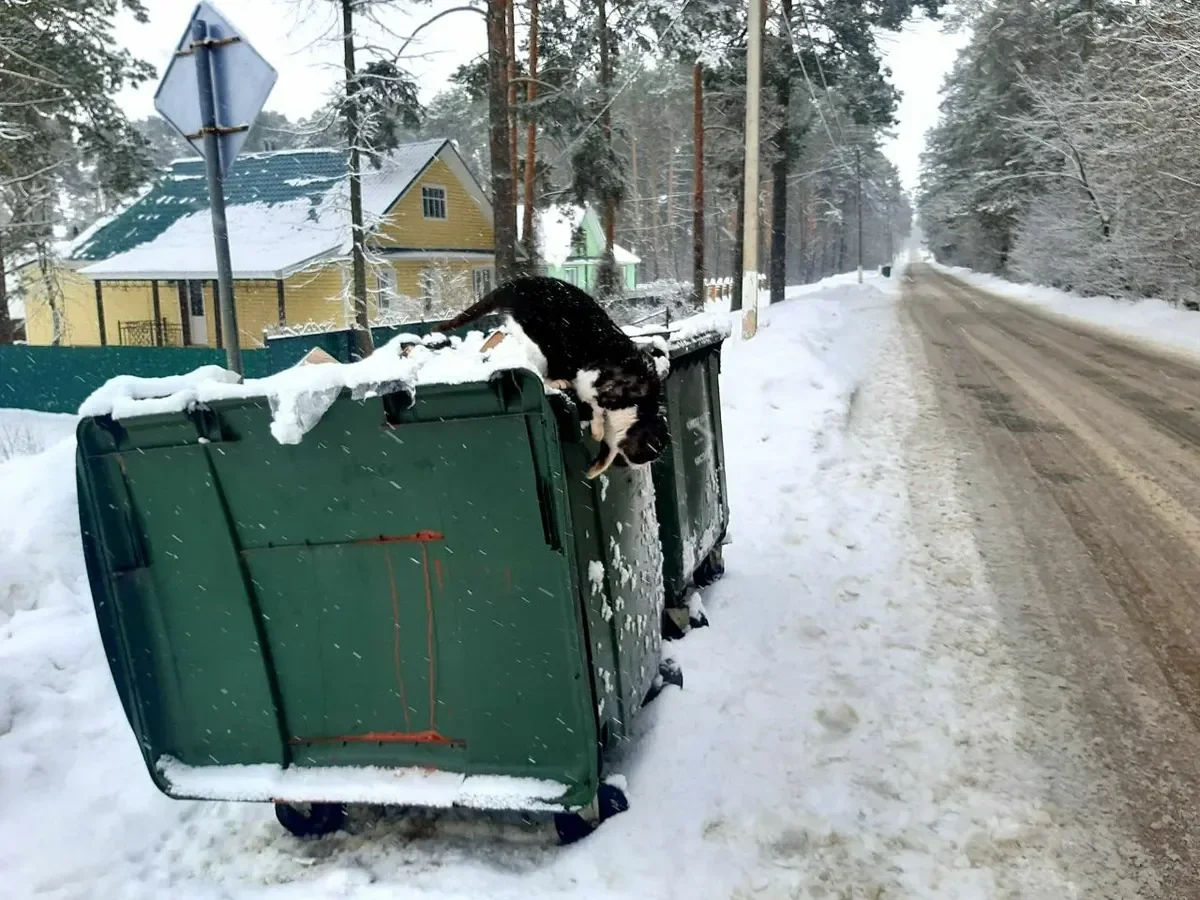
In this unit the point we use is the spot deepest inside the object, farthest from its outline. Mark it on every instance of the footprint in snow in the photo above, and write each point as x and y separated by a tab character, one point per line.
839	719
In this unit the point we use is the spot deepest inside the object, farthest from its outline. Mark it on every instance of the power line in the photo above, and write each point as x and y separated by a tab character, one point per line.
611	100
821	71
811	88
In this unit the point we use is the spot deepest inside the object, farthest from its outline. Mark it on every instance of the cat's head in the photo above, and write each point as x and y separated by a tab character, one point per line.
645	440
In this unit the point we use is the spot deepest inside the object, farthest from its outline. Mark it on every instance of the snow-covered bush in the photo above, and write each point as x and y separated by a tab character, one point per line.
17	440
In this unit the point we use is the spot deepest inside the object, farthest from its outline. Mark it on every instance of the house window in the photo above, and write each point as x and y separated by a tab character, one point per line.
433	202
387	288
483	281
572	275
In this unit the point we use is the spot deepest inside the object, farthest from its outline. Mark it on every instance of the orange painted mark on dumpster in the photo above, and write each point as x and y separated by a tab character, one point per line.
429	639
417	537
396	636
437	567
430	736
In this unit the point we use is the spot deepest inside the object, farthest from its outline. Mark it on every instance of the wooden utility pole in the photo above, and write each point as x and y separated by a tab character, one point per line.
739	242
639	213
750	212
784	139
358	256
859	204
514	156
891	251
6	325
608	267
499	146
531	136
698	185
672	225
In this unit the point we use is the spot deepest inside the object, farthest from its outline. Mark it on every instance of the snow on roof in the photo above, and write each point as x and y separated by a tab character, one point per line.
555	229
624	257
284	210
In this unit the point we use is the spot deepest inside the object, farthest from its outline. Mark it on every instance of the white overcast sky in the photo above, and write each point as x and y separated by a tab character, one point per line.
298	37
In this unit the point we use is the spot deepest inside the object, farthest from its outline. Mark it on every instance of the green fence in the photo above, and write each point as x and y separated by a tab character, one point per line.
283	352
58	379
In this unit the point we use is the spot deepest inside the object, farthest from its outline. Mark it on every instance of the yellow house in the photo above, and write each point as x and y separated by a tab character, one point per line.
147	275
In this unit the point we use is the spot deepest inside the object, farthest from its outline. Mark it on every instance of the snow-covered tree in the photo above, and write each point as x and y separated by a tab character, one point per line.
60	70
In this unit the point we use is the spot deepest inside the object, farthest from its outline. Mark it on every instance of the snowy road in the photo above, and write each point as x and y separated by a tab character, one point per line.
1080	462
885	706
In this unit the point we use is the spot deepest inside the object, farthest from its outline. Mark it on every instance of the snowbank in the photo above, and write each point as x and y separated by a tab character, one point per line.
40	532
77	803
1150	320
24	432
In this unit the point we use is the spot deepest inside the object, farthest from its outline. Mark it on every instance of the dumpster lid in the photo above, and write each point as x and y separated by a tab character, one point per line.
684	336
300	395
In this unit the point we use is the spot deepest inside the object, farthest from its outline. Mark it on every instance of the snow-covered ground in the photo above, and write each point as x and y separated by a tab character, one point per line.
24	432
1150	320
843	733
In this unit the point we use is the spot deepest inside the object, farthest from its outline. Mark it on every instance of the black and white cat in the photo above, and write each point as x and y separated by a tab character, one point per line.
585	350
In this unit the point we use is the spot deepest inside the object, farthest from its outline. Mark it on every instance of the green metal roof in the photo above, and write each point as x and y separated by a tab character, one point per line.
270	178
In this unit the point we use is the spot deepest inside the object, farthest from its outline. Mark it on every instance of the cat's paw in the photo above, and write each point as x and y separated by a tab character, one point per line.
600	466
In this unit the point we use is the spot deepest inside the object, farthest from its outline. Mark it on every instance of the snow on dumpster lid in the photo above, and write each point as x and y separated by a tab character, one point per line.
299	396
684	335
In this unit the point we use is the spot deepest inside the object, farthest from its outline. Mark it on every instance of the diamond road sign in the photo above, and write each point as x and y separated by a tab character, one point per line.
242	81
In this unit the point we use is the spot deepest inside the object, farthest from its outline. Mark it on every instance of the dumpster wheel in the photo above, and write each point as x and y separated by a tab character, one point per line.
571	827
669	672
711	569
311	820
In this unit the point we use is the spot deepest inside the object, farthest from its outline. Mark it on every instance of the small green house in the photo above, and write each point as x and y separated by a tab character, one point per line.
570	245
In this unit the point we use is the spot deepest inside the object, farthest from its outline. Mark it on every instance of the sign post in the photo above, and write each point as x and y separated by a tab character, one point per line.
216	194
213	103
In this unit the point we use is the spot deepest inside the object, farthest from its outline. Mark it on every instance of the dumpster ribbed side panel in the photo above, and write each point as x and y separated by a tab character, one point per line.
619	563
191	668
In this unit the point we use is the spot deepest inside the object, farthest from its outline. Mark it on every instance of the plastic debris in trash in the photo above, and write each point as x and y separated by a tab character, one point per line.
316	356
492	342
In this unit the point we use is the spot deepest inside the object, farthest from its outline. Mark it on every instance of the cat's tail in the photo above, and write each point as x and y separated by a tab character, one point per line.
489	303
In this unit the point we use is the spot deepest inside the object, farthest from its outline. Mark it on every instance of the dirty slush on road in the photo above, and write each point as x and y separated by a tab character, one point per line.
1077	456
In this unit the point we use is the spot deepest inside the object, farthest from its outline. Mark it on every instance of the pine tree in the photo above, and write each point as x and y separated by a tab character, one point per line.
376	103
60	71
1001	146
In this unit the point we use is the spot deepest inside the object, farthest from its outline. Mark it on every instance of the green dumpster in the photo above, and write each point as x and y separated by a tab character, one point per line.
422	604
689	478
